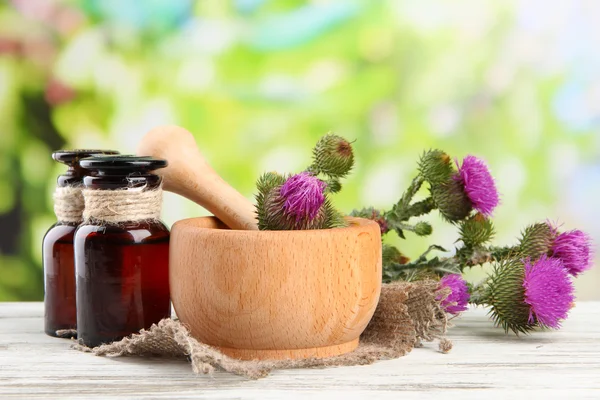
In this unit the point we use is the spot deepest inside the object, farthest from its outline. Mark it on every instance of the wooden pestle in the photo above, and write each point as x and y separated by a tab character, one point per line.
188	174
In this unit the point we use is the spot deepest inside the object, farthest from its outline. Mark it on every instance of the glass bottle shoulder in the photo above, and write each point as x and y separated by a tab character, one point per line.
139	232
60	232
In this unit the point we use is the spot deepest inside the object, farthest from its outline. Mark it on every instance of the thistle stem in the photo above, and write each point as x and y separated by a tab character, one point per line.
465	257
478	294
499	253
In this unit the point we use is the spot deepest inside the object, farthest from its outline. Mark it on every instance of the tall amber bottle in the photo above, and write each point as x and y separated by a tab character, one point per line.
59	267
121	250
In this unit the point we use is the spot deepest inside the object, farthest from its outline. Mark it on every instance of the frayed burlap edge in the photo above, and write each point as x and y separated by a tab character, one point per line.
407	313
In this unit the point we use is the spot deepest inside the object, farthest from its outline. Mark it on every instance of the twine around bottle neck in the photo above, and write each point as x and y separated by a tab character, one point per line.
122	205
68	204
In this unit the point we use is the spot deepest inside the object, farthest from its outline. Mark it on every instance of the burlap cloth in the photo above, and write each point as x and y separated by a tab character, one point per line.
407	313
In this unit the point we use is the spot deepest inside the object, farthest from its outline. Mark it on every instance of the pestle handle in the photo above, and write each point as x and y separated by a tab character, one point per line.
189	174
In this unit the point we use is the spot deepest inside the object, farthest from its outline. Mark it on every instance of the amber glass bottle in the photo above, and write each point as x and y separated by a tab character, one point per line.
57	245
121	250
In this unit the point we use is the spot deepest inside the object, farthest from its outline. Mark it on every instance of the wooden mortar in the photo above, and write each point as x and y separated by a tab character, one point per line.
275	294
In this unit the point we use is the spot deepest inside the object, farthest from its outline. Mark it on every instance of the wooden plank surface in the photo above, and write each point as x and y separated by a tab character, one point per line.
484	363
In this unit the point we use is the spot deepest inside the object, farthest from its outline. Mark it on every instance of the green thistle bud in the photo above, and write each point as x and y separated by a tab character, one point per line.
333	156
476	230
536	240
506	297
435	167
333	186
451	200
423	229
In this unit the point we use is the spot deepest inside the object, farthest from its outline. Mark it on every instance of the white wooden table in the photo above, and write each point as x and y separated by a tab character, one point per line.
484	363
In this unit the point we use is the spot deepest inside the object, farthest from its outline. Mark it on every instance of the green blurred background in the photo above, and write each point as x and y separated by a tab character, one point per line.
258	82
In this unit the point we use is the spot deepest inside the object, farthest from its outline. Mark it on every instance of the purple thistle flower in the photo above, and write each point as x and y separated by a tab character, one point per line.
478	184
574	249
548	291
304	196
459	296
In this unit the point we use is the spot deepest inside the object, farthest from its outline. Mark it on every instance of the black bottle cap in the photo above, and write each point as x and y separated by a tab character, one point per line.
129	163
71	157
